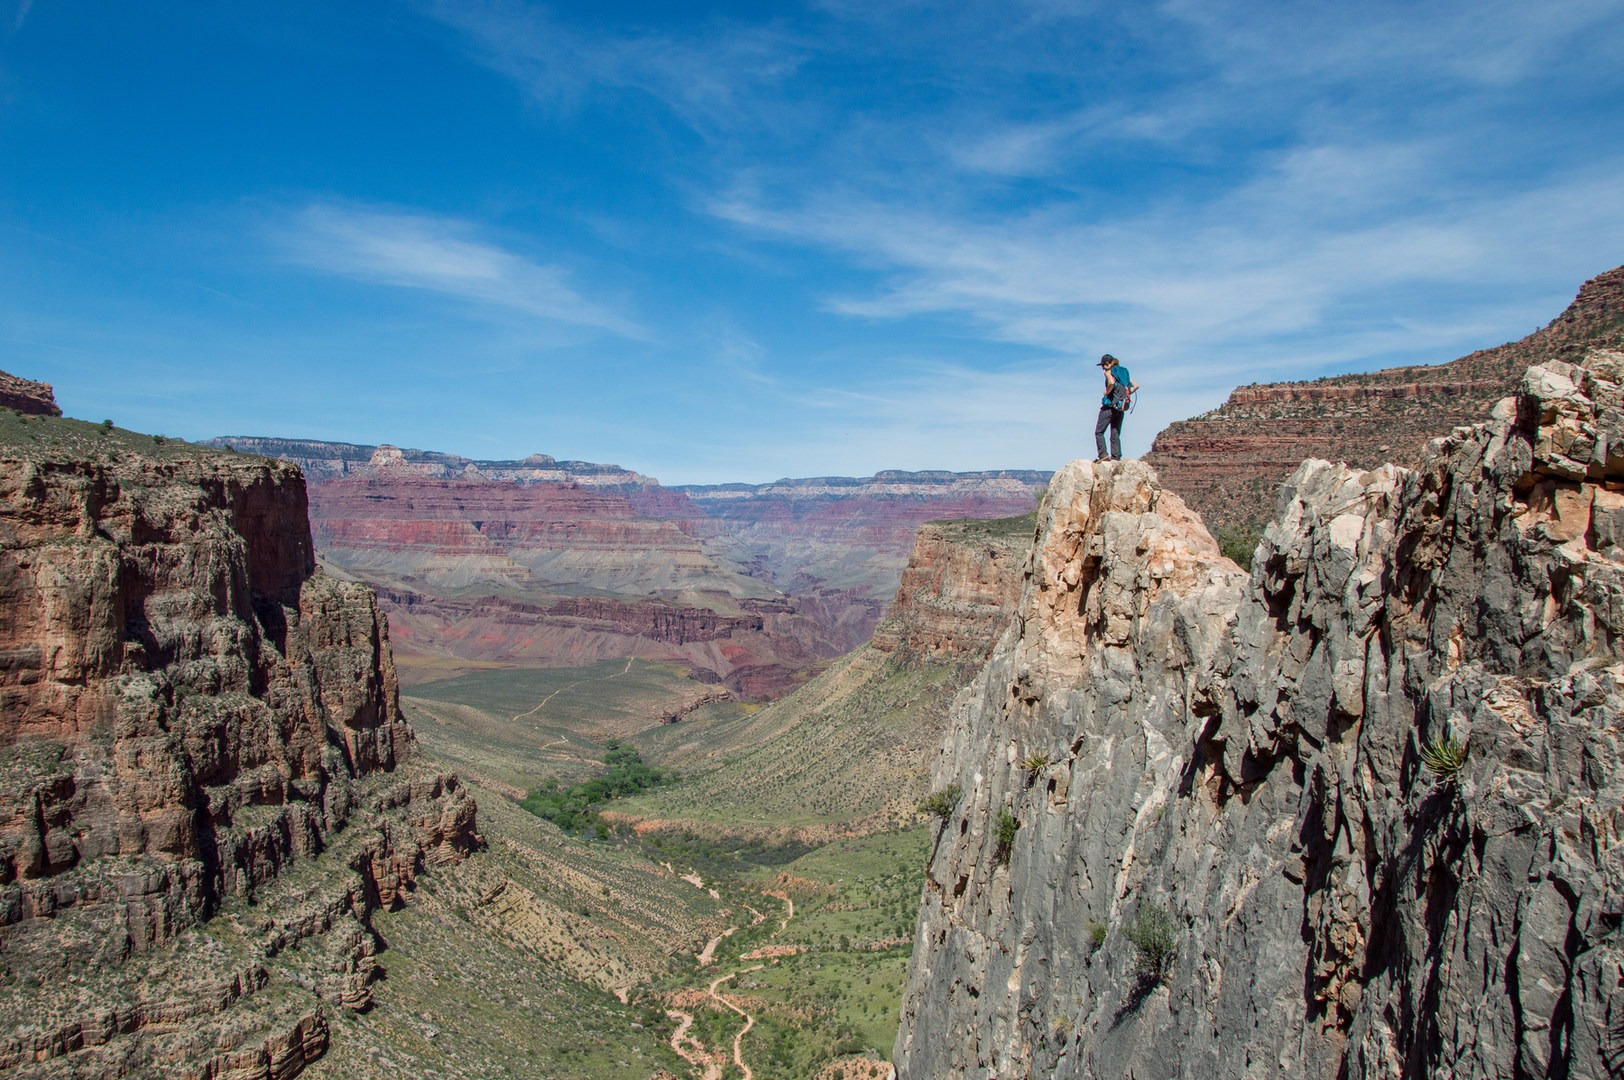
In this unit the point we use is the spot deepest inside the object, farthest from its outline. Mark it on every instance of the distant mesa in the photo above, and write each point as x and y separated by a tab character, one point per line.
321	460
1229	463
564	563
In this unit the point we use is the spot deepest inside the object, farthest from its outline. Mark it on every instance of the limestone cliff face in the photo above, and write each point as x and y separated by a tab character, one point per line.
1245	755
204	775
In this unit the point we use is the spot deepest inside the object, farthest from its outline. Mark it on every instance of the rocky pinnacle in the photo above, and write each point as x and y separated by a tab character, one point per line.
1356	814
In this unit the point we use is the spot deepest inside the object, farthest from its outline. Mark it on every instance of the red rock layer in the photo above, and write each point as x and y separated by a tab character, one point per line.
27	396
1229	463
187	709
958	591
496	571
674	626
563	563
758	654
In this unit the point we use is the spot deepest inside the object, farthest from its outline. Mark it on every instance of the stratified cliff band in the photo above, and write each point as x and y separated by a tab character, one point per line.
1227	463
204	787
1355	816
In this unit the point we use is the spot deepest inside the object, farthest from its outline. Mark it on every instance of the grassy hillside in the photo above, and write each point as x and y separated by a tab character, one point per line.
515	728
515	963
59	436
846	751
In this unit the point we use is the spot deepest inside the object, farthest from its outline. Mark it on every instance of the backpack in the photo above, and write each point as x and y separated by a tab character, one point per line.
1119	395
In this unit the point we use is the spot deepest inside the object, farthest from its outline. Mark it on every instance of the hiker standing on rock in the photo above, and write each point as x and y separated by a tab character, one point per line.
1119	388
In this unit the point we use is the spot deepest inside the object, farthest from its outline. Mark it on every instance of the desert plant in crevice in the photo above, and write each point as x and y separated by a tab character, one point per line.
1004	831
1154	937
1444	756
1096	935
940	804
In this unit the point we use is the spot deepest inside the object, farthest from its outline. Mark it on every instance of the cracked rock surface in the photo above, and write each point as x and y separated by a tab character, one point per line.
1249	754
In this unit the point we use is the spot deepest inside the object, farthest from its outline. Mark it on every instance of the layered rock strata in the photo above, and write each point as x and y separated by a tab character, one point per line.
27	396
206	783
565	563
957	592
1228	463
1356	815
556	573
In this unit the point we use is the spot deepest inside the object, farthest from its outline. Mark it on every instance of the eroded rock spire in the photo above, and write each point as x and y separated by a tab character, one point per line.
1375	785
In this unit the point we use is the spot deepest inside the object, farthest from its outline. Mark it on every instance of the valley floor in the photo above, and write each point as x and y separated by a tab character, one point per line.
776	952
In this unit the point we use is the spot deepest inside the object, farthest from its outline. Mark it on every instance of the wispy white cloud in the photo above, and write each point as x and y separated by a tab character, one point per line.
1241	279
710	75
738	356
438	255
1487	42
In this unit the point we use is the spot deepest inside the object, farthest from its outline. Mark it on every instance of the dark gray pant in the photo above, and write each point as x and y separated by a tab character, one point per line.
1109	418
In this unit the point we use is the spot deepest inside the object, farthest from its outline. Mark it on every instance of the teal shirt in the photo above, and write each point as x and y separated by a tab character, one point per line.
1123	380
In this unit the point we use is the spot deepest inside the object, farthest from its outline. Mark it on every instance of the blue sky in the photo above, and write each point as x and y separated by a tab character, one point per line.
745	241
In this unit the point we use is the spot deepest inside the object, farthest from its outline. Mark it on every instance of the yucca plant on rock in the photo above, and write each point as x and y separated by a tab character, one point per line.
1444	756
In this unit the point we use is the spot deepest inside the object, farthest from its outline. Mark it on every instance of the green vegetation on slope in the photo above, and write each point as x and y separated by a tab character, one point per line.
1239	542
574	809
59	436
843	751
1020	528
518	728
856	902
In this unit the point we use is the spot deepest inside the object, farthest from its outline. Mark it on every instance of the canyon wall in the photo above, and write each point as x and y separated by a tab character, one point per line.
1355	815
1228	463
957	592
564	563
206	784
